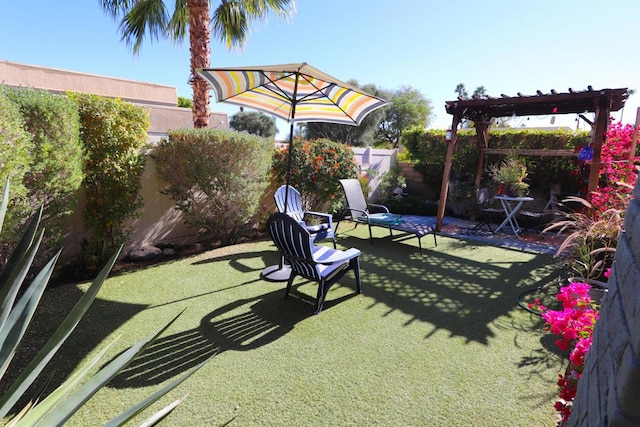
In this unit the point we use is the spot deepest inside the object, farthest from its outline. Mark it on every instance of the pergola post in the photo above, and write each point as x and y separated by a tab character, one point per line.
598	137
634	145
444	189
482	131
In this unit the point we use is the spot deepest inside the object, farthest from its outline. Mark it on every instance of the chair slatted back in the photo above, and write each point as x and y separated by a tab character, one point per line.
294	204
354	196
482	195
295	244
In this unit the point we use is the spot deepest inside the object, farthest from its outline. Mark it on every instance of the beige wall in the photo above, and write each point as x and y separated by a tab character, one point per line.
55	80
160	100
164	118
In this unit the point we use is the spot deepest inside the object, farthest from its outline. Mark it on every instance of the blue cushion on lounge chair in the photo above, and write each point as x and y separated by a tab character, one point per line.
384	219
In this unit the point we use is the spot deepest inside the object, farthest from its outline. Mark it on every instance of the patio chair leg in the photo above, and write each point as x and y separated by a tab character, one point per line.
435	240
370	234
355	266
320	296
286	293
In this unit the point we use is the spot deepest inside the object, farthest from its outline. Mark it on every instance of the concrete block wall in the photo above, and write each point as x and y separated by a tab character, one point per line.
609	389
415	182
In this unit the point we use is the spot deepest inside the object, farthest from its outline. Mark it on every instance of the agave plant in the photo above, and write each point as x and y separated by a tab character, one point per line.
16	312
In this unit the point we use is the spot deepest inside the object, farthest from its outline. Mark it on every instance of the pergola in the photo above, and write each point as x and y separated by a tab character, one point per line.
483	109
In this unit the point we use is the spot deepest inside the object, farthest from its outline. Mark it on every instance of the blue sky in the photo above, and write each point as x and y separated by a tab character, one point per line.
507	46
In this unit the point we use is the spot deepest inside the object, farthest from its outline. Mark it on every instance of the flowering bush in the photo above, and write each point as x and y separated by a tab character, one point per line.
316	167
574	325
614	169
594	227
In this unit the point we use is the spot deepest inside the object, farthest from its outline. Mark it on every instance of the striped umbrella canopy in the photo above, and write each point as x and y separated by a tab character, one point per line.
293	92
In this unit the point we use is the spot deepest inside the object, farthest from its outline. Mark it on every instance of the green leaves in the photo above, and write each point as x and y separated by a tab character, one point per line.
215	177
316	167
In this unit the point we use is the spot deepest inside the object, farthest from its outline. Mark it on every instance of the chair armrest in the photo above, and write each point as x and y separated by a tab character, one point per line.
329	217
337	256
380	207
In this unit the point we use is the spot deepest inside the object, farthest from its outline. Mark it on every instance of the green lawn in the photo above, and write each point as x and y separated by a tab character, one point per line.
436	339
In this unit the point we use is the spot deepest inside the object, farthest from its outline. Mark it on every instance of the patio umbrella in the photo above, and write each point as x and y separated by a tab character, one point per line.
297	93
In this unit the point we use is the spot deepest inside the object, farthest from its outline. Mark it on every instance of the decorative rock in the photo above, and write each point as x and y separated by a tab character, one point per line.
144	253
168	251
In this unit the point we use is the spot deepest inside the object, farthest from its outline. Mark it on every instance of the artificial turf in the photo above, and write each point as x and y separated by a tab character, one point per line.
435	340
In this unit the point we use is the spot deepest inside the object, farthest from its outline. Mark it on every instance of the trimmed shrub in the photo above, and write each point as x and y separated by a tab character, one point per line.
428	149
113	133
15	156
216	177
55	174
316	167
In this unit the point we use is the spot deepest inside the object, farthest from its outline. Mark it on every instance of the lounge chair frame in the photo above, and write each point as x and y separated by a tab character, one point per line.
361	212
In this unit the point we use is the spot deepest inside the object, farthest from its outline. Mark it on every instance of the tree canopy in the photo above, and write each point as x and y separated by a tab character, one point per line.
408	108
229	21
254	123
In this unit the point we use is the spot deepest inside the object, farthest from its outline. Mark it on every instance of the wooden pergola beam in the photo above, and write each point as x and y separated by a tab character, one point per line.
598	137
444	188
482	130
531	152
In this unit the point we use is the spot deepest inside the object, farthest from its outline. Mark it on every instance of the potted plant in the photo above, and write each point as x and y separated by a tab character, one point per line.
510	174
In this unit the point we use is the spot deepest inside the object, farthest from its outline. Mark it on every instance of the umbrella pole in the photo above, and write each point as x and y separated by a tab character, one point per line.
282	272
288	175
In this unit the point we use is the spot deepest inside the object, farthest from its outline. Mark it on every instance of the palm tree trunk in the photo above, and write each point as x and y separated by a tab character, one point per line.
200	48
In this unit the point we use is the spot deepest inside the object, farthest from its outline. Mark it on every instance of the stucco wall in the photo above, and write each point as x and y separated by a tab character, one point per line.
609	389
378	159
60	81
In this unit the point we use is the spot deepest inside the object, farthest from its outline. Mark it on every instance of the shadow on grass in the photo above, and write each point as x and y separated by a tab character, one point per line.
241	325
235	259
100	321
460	295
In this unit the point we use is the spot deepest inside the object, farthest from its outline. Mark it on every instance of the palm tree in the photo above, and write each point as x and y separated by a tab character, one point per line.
163	19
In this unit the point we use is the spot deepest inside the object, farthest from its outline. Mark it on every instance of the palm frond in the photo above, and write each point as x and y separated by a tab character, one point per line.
145	18
231	24
179	22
